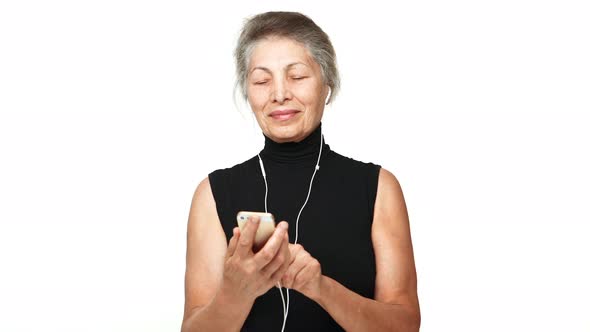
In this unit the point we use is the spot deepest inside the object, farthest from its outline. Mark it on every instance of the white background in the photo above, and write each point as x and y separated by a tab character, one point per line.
112	112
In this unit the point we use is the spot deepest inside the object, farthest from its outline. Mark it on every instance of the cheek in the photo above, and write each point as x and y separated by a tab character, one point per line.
257	98
309	95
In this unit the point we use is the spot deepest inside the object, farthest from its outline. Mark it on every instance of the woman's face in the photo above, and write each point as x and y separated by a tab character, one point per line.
285	89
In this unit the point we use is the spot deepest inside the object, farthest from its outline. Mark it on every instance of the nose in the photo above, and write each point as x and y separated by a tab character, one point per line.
281	92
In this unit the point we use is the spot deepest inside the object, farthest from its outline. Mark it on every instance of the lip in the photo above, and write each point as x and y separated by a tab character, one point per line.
284	114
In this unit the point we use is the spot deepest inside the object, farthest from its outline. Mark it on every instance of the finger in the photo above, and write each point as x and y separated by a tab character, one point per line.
286	250
272	246
231	247
280	259
306	274
244	247
294	250
298	264
280	272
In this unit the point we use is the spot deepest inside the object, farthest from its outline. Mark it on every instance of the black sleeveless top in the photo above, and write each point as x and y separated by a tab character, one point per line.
334	227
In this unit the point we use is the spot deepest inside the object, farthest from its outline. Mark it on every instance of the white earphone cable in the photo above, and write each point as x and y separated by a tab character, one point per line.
317	167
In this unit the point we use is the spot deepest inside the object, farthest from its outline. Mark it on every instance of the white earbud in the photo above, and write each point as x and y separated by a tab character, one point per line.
329	95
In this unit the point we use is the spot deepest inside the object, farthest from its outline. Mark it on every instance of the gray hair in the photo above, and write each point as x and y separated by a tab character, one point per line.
291	25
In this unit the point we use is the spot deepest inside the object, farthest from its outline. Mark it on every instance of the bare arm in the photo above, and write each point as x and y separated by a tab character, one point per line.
395	307
208	307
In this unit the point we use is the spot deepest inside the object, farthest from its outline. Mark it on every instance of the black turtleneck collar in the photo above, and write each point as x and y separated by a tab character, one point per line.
305	151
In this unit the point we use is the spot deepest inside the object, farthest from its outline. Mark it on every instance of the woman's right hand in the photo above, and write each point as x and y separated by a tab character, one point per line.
248	275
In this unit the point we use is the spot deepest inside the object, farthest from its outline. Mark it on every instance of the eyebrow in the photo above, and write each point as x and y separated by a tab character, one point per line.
288	67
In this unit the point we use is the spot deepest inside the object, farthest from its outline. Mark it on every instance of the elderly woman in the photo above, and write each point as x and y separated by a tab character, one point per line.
346	251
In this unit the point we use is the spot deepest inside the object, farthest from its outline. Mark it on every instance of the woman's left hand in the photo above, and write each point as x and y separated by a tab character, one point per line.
304	273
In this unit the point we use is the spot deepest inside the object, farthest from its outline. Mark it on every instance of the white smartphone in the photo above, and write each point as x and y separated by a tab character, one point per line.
265	228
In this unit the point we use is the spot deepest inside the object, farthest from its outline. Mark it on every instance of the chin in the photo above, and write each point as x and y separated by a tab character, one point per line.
285	133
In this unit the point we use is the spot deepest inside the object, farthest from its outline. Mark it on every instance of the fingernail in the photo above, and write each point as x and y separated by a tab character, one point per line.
285	225
254	219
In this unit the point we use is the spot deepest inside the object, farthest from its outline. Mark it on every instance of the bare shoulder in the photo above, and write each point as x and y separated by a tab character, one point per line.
389	187
390	204
205	249
203	194
390	213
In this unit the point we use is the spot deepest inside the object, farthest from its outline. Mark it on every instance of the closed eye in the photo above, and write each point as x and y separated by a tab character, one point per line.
260	83
297	78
